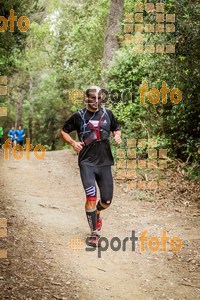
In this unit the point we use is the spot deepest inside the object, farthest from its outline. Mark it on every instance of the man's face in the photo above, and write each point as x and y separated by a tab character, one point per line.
93	101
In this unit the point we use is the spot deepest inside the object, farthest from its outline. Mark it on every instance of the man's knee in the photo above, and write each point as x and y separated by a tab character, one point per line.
103	204
106	202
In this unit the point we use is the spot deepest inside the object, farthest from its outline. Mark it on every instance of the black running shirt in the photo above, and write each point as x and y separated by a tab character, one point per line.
97	153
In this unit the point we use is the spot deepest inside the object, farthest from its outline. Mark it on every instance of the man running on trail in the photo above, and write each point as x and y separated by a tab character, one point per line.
20	133
93	125
12	136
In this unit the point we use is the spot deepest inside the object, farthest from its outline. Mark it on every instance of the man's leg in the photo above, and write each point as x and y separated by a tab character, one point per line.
105	183
88	180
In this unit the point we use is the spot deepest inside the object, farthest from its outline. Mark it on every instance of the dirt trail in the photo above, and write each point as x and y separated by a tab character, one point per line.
44	204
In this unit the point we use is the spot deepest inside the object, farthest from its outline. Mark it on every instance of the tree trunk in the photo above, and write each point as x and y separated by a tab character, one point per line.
20	101
111	43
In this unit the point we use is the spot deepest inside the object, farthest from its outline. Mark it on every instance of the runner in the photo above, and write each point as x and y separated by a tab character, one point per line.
12	136
20	133
93	125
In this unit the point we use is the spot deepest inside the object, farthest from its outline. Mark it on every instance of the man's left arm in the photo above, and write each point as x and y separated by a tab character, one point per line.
115	129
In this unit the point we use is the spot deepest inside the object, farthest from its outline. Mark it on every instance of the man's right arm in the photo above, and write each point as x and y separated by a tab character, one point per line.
70	125
77	146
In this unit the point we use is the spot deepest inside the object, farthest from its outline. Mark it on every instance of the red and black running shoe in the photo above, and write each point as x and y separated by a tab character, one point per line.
93	240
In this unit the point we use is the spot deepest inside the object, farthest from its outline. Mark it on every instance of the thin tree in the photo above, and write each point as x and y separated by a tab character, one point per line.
111	42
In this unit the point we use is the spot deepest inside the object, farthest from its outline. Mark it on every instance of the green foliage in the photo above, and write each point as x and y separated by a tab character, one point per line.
176	123
80	41
63	50
13	42
193	171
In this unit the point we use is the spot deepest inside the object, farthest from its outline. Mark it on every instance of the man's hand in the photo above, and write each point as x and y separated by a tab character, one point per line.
77	146
117	136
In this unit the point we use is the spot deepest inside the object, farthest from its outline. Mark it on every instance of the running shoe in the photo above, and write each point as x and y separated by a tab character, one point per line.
99	223
93	240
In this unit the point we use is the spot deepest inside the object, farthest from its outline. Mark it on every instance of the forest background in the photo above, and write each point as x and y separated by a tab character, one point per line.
74	44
